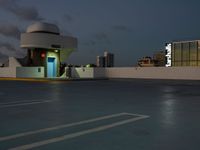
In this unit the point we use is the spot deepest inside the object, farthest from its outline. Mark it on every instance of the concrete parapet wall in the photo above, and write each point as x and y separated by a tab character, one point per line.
186	73
84	72
30	72
8	72
10	69
13	62
99	72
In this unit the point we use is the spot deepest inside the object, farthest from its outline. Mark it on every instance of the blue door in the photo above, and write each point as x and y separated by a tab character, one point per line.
51	67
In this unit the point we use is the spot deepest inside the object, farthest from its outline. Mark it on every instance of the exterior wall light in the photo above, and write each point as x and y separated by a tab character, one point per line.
43	55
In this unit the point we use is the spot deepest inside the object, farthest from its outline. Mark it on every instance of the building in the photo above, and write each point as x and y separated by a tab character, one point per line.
159	58
47	48
109	59
146	62
100	61
105	61
183	53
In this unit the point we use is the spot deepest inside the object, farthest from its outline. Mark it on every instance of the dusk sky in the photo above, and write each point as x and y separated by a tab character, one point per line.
130	29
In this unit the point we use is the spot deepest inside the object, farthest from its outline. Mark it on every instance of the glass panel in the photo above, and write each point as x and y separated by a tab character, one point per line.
199	53
193	51
185	52
173	57
193	63
173	64
177	52
177	63
184	63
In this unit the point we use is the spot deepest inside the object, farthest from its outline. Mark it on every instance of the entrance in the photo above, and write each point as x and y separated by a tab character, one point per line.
51	67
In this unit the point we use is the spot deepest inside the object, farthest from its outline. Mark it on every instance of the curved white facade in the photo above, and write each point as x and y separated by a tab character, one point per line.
45	35
47	41
43	27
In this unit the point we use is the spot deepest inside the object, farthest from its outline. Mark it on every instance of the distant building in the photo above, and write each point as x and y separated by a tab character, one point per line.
100	61
183	53
109	59
159	58
105	61
146	62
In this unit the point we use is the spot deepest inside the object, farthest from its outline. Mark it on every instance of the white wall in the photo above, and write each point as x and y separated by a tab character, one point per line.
10	71
188	73
99	72
13	62
30	72
84	72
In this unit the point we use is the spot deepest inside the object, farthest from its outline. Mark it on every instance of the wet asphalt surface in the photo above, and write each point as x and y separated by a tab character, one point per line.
173	108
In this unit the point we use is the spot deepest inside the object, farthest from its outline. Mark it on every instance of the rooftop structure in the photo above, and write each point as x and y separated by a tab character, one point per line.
46	47
43	27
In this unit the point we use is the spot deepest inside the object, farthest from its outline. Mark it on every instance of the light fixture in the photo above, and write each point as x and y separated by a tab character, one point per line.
43	55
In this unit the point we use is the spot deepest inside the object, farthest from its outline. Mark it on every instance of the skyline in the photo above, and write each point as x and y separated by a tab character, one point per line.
129	29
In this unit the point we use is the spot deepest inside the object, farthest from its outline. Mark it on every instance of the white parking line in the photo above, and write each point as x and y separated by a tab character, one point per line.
24	103
62	126
77	134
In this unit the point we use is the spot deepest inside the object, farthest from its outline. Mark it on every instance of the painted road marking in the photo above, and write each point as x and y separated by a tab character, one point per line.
12	104
77	134
15	102
65	126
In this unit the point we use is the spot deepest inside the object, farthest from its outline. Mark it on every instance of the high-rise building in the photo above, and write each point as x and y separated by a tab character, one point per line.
183	53
100	61
109	59
105	61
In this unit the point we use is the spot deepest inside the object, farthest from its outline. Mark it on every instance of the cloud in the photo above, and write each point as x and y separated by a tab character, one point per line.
28	13
68	18
10	30
101	36
121	28
89	43
7	49
97	38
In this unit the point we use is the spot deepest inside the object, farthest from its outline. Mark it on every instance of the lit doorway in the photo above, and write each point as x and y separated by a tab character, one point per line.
51	67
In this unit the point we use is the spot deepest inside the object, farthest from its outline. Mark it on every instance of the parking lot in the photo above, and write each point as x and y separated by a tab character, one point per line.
100	115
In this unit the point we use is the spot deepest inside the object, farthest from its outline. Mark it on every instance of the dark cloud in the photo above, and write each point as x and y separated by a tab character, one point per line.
10	30
121	28
68	18
28	13
97	38
89	43
7	49
65	32
101	36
